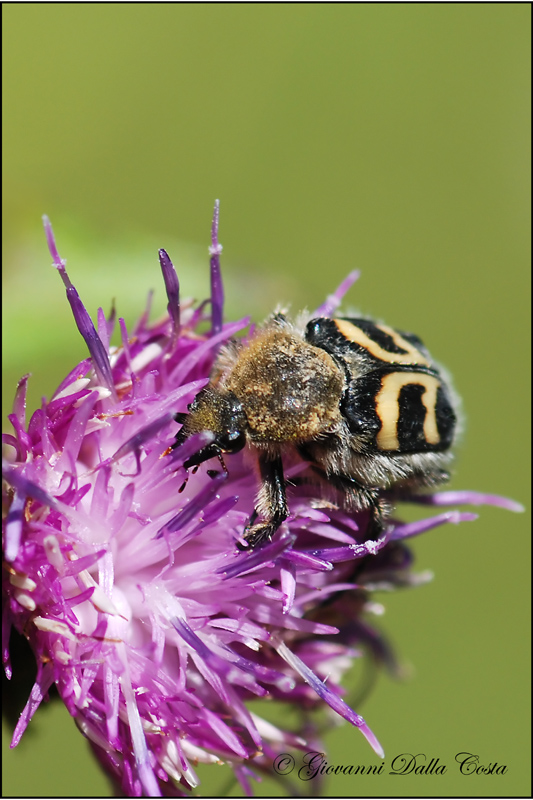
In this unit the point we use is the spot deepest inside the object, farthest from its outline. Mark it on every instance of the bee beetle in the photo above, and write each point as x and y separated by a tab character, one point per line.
363	403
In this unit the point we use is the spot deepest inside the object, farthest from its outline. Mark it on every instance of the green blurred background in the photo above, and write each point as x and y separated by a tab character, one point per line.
393	138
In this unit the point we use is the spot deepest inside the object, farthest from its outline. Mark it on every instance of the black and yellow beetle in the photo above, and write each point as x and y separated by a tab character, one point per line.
363	403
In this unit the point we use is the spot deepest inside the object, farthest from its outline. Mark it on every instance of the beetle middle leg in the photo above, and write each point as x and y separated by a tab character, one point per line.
271	506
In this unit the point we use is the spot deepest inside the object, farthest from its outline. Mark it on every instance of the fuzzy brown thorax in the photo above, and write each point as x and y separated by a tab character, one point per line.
289	389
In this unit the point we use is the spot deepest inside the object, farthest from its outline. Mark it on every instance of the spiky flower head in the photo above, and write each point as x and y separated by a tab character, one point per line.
125	579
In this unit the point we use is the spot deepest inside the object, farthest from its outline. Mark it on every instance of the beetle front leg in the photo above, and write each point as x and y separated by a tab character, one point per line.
271	504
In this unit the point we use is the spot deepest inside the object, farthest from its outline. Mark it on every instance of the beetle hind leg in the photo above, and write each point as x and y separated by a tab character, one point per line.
357	495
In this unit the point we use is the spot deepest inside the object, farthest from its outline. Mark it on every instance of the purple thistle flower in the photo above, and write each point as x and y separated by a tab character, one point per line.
123	574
